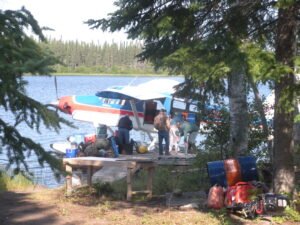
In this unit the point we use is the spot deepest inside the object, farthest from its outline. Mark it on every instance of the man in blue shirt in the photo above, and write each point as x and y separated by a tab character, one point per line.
124	127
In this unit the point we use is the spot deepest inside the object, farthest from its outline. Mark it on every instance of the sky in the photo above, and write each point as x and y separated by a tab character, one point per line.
66	17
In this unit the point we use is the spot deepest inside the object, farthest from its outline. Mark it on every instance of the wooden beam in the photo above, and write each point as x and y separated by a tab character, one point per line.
150	181
89	175
129	183
69	179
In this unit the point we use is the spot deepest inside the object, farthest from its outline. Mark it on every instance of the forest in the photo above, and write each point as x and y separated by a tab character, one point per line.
94	58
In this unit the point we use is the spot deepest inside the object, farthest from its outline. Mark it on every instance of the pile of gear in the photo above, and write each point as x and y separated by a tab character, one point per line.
235	186
100	145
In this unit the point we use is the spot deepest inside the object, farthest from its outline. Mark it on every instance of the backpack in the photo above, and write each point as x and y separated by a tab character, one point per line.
215	198
238	194
158	123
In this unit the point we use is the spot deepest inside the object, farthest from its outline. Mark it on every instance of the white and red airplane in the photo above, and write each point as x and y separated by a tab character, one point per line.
141	102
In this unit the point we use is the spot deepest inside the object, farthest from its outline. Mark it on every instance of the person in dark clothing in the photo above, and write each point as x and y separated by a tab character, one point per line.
124	126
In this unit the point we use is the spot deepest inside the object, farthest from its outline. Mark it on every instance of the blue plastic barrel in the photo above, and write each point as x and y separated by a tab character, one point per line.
71	153
248	168
216	173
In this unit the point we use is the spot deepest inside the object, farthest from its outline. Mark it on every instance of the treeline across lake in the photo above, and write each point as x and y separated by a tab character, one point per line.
91	58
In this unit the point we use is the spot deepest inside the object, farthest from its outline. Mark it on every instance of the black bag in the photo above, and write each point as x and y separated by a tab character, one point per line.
128	149
275	202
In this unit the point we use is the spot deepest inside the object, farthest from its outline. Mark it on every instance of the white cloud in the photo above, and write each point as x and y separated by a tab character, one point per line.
66	17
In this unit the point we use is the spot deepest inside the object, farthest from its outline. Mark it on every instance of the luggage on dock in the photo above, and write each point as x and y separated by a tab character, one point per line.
71	153
102	143
102	131
90	138
128	148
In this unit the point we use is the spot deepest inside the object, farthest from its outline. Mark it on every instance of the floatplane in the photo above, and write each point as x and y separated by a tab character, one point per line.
140	102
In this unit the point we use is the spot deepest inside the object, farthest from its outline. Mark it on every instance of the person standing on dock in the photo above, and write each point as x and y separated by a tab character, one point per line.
189	131
124	127
174	134
162	124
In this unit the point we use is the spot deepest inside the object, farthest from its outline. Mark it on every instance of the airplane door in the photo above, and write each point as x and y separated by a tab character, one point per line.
150	112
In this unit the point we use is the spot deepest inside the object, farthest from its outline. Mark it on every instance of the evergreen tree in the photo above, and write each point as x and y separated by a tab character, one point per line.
21	55
287	26
80	57
205	40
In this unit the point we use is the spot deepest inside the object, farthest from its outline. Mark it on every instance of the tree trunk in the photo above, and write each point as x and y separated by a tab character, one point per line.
238	113
283	166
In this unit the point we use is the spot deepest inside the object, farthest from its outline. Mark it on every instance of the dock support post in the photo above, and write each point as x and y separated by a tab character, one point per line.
150	181
89	175
129	183
69	179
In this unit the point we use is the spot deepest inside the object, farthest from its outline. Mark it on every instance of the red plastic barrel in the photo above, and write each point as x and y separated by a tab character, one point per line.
232	171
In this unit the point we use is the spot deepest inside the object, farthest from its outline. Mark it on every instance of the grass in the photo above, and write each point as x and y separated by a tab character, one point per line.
17	182
289	214
102	204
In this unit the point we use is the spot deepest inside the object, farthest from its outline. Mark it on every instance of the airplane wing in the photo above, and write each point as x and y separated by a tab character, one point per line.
154	89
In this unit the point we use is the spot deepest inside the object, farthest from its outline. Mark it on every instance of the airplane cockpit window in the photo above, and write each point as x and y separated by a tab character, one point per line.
112	101
123	102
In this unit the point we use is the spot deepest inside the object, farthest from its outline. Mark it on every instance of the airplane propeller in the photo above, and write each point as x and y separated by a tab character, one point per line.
54	104
55	84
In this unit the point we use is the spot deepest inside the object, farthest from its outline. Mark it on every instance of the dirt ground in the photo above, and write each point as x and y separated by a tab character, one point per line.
42	206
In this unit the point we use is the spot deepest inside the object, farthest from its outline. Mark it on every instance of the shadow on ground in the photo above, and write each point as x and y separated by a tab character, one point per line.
19	208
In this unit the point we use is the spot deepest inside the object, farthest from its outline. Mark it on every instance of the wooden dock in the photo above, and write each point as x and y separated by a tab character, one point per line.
131	163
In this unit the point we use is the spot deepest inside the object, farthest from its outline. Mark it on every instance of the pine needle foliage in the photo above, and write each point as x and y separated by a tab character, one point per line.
201	39
205	40
20	55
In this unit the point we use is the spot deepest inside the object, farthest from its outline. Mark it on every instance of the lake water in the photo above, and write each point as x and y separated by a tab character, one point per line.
42	89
